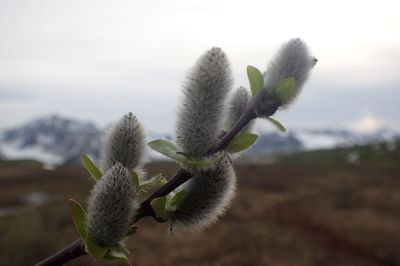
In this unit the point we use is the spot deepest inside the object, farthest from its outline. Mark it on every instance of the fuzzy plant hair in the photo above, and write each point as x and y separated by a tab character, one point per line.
292	60
110	207
238	103
200	118
210	192
124	143
206	182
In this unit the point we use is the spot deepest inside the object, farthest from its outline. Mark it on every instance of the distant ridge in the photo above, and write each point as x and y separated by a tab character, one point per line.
51	139
58	140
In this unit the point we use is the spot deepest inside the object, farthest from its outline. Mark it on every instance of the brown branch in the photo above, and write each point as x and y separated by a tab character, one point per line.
73	250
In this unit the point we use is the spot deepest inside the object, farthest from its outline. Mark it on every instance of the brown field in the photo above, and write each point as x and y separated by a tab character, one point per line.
305	209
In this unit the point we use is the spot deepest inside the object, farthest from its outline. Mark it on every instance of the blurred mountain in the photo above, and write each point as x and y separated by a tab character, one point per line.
52	139
57	140
313	139
273	143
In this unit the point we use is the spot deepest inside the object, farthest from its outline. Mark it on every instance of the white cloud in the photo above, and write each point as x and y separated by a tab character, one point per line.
56	51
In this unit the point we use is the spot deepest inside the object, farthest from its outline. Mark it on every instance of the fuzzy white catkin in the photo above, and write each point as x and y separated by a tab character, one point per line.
239	100
200	118
210	192
110	207
292	60
123	143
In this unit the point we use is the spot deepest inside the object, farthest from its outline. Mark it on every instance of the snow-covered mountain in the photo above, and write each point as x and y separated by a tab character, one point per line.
52	139
58	140
312	139
320	139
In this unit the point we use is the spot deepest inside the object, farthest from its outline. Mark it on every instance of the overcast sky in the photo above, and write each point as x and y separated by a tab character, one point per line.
96	60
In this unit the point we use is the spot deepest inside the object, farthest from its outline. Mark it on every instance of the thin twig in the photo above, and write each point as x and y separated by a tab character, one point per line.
73	250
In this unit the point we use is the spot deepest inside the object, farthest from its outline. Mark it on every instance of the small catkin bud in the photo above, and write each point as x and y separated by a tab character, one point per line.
124	143
200	117
237	105
292	60
111	207
210	192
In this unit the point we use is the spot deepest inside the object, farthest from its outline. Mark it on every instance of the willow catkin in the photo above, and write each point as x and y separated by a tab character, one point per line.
292	60
124	143
238	103
110	207
210	192
200	117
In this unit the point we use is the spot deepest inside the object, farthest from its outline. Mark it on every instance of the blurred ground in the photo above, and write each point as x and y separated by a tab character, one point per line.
338	207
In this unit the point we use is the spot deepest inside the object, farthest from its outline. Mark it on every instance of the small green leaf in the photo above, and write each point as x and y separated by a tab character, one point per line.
170	150
91	167
163	181
241	142
286	90
202	162
277	124
118	252
121	246
256	80
167	148
113	254
135	181
169	201
79	218
158	205
180	197
95	250
151	183
175	200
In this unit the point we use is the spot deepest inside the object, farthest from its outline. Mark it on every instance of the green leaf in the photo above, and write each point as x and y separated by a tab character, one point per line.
163	181
151	183
118	252
79	218
256	80
135	181
94	249
286	90
158	205
241	142
175	200
91	167
277	124
180	197
201	162
121	246
170	150
113	254
167	148
168	203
